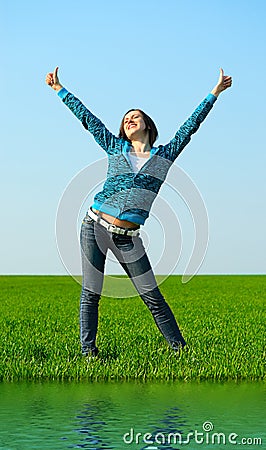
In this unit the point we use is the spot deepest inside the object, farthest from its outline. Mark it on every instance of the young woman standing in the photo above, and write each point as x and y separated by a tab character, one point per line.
136	171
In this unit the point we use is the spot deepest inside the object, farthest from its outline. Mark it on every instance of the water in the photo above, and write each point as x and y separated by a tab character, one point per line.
131	416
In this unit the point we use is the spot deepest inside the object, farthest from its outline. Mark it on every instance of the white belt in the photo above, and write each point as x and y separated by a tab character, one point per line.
112	228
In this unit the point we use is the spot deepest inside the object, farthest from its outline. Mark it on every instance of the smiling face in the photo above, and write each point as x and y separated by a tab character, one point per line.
134	125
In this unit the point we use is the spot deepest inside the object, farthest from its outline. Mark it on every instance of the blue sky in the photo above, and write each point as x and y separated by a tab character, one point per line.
162	57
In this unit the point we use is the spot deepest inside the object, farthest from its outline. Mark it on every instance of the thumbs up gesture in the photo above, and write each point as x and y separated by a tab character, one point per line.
53	80
224	82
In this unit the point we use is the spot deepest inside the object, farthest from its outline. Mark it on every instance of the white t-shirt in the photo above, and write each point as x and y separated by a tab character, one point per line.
137	161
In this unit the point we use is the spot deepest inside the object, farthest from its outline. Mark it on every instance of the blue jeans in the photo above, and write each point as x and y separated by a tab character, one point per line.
95	240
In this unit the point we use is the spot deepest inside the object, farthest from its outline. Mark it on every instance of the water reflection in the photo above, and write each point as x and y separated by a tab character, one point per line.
99	425
99	415
170	426
92	423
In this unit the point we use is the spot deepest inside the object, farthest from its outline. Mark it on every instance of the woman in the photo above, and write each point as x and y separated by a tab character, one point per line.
136	171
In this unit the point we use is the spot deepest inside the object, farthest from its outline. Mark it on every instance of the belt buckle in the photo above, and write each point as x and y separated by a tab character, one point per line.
112	228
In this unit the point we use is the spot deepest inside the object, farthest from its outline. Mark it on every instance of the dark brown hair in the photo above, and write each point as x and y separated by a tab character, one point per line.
150	125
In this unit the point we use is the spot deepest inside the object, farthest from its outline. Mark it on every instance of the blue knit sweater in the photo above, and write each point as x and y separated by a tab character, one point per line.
125	194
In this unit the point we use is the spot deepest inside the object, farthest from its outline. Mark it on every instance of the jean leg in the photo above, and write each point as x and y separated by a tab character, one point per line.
133	258
89	302
93	261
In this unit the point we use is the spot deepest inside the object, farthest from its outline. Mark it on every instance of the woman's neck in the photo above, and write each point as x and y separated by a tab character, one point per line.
141	146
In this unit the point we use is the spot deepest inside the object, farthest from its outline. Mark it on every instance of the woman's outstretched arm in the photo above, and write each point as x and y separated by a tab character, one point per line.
90	122
192	124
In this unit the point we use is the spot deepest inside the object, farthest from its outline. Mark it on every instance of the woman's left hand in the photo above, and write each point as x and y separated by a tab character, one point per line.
224	82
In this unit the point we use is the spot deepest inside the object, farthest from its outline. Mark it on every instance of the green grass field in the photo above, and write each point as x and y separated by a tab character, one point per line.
221	317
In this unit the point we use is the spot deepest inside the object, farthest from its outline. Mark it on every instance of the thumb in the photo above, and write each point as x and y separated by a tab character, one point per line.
55	76
221	75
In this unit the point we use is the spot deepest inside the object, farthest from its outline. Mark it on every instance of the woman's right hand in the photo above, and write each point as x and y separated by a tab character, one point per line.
53	80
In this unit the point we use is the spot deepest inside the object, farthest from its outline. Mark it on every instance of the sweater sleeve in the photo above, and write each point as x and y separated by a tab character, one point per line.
101	134
191	125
